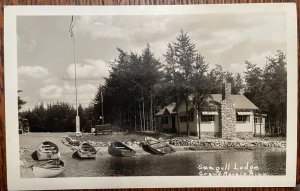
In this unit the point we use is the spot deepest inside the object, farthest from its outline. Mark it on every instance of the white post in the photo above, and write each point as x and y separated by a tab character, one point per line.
197	122
77	125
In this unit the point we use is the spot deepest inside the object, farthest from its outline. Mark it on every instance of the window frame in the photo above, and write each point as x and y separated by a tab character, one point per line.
243	118
208	118
183	118
258	120
164	120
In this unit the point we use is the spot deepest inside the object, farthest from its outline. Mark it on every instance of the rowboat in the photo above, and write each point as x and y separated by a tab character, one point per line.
48	150
155	146
86	151
119	149
51	168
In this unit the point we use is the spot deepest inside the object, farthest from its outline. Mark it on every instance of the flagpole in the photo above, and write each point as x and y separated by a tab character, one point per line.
71	30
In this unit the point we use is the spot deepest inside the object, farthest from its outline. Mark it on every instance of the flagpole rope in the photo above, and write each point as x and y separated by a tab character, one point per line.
75	74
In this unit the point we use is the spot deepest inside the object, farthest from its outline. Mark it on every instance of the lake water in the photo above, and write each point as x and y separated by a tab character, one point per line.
186	163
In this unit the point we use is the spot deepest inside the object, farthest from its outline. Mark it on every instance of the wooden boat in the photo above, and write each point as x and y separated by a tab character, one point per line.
86	151
119	149
51	168
48	150
155	146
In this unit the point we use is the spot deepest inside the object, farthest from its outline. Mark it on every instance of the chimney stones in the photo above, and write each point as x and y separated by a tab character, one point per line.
228	114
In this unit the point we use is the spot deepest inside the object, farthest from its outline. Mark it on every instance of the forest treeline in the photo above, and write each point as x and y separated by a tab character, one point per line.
139	85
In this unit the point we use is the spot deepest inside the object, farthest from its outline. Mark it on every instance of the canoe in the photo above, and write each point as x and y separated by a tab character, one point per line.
51	168
48	150
119	149
155	146
86	151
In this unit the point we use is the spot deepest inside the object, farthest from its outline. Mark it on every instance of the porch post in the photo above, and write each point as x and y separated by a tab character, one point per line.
197	121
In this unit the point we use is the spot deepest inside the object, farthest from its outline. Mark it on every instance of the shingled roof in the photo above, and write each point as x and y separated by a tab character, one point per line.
240	101
169	108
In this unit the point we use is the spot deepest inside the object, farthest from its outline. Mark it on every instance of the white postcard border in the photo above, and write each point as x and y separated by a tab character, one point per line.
11	111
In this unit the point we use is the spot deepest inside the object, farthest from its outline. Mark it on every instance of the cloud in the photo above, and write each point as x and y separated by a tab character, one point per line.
36	72
86	93
102	28
260	59
224	40
235	65
89	70
51	80
27	43
237	68
51	92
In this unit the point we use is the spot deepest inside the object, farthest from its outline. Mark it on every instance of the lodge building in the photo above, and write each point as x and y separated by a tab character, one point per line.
226	116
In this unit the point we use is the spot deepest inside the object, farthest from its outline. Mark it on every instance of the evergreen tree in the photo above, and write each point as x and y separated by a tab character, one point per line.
21	102
129	92
185	55
267	88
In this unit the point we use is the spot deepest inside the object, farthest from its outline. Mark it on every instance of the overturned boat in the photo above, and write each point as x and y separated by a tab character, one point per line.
51	168
48	150
156	146
119	149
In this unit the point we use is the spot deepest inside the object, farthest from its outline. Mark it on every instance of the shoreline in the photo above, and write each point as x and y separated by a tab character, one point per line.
177	142
68	143
29	142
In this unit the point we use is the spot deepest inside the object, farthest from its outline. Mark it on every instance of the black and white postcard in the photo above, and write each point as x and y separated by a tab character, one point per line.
151	96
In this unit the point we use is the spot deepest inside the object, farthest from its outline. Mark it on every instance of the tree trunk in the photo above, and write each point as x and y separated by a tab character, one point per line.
177	119
141	121
135	119
177	115
151	112
260	120
187	117
282	119
147	122
255	134
199	122
144	120
272	131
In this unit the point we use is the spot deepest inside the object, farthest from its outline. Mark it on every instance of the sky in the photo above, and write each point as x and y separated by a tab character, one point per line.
45	47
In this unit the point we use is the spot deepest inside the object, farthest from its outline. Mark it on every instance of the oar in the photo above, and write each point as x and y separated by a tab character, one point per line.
98	151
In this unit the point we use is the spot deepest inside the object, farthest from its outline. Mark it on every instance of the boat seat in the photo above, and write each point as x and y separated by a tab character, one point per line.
47	151
121	147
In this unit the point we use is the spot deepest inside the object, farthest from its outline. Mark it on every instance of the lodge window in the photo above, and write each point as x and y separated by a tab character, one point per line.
183	118
164	120
207	118
257	120
242	118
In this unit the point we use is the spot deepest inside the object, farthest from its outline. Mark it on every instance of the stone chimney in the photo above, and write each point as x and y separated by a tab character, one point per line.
228	114
226	90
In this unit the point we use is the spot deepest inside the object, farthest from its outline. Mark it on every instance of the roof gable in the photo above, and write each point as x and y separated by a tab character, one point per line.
168	109
240	101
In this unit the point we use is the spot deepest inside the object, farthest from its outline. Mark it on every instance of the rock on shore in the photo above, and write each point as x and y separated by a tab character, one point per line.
228	143
218	143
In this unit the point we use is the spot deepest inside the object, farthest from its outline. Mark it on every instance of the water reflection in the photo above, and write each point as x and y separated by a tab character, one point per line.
270	162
